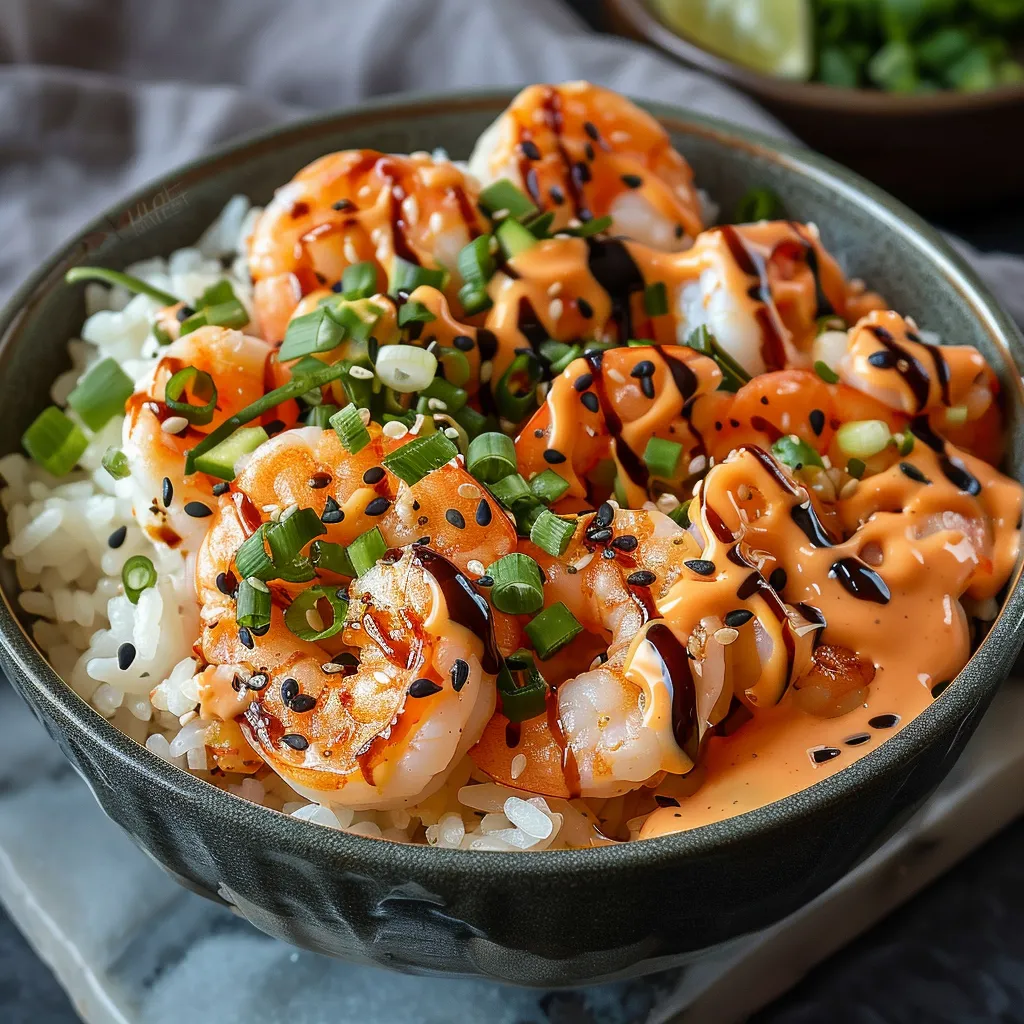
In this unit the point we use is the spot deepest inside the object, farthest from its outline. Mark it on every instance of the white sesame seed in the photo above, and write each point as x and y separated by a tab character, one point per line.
437	404
174	424
395	429
554	288
492	245
351	254
257	584
474	565
500	214
518	765
451	433
314	621
584	561
270	509
417	424
614	375
726	635
556	308
290	511
360	373
364	415
849	489
486	369
470	491
331	668
697	464
382	677
666	502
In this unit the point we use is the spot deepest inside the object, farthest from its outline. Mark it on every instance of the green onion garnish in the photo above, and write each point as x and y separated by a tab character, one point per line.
514	238
825	372
227	314
548	486
521	702
472	422
112	277
863	438
518	587
192	323
758	204
54	441
101	393
516	393
414	460
526	513
320	415
662	457
303	617
201	384
351	430
703	341
251	558
414	312
510	489
588	228
491	457
454	398
551	533
313	332
253	604
504	197
115	462
906	443
359	281
476	264
794	452
366	550
474	298
540	225
333	557
295	387
656	299
681	514
291	534
219	461
956	415
856	467
137	574
358	318
552	629
457	370
407	277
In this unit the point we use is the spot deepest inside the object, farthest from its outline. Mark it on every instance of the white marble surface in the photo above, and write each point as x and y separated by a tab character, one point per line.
131	947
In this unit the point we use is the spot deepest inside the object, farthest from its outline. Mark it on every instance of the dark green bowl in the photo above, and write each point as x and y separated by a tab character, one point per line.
544	918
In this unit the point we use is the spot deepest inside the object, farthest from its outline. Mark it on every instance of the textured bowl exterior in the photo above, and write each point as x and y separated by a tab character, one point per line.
553	918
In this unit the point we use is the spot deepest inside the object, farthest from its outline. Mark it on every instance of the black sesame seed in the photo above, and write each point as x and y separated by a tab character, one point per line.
632	180
424	688
599	536
857	739
318	481
538	433
883	721
167	491
581	383
184	313
221	488
589	150
557	195
289	690
604	515
585	308
679	231
581	172
882	360
701	566
257	681
608	554
641	578
645	368
463	342
260	630
197	510
485	581
483	513
303	703
738	617
456	518
553	457
910	470
647	387
246	638
823	754
777	580
627	542
344	204
125	656
817	421
378	507
460	674
530	150
274	427
591	129
295	741
590	402
116	539
373	475
422	541
665	801
223	585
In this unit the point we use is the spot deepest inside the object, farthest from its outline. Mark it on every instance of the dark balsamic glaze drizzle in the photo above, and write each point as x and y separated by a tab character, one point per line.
824	304
553	117
632	464
529	324
675	670
615	271
954	471
860	580
911	370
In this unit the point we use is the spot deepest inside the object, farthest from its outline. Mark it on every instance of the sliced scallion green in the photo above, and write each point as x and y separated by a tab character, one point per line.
358	318
681	514
304	619
219	461
526	700
312	332
476	264
794	452
201	385
656	299
457	370
291	534
551	533
474	298
863	438
518	587
252	609
589	228
413	312
193	323
514	238
758	204
414	460
516	394
540	225
548	486
320	415
491	457
510	489
856	467
54	441
906	443
100	395
116	277
333	557
115	462
825	372
227	314
137	574
359	281
366	550
662	457
407	277
351	430
444	391
252	559
552	629
503	196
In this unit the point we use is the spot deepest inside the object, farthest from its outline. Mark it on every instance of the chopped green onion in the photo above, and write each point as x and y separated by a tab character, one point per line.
407	277
414	312
474	298
303	617
351	430
514	238
252	609
863	438
589	228
251	558
856	467
905	442
201	385
956	415
523	374
419	457
333	557
526	513
472	422
552	629
504	197
825	372
101	393
313	332
192	323
454	398
359	281
548	486
320	415
456	366
540	226
491	457
733	375
221	291
219	461
115	462
551	533
643	343
358	317
518	587
116	277
54	441
406	368
227	314
758	204
295	387
137	575
510	489
681	514
662	457
291	534
521	702
656	299
476	264
366	550
162	337
794	452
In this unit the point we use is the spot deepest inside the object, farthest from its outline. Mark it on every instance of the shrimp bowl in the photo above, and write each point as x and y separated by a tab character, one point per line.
540	538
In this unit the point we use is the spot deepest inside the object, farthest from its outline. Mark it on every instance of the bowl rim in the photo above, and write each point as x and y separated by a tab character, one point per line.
819	96
570	867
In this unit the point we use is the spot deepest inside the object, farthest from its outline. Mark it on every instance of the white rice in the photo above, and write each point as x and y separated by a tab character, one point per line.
70	580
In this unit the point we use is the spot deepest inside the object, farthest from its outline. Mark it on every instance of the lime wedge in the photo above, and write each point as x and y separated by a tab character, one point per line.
770	36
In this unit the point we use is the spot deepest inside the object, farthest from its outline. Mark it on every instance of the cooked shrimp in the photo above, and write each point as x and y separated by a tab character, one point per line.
238	365
354	206
581	151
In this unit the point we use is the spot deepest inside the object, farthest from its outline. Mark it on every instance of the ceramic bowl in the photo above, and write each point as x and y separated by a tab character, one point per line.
553	918
936	151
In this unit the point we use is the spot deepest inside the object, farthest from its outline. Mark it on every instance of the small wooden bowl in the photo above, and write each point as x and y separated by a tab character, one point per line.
938	152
